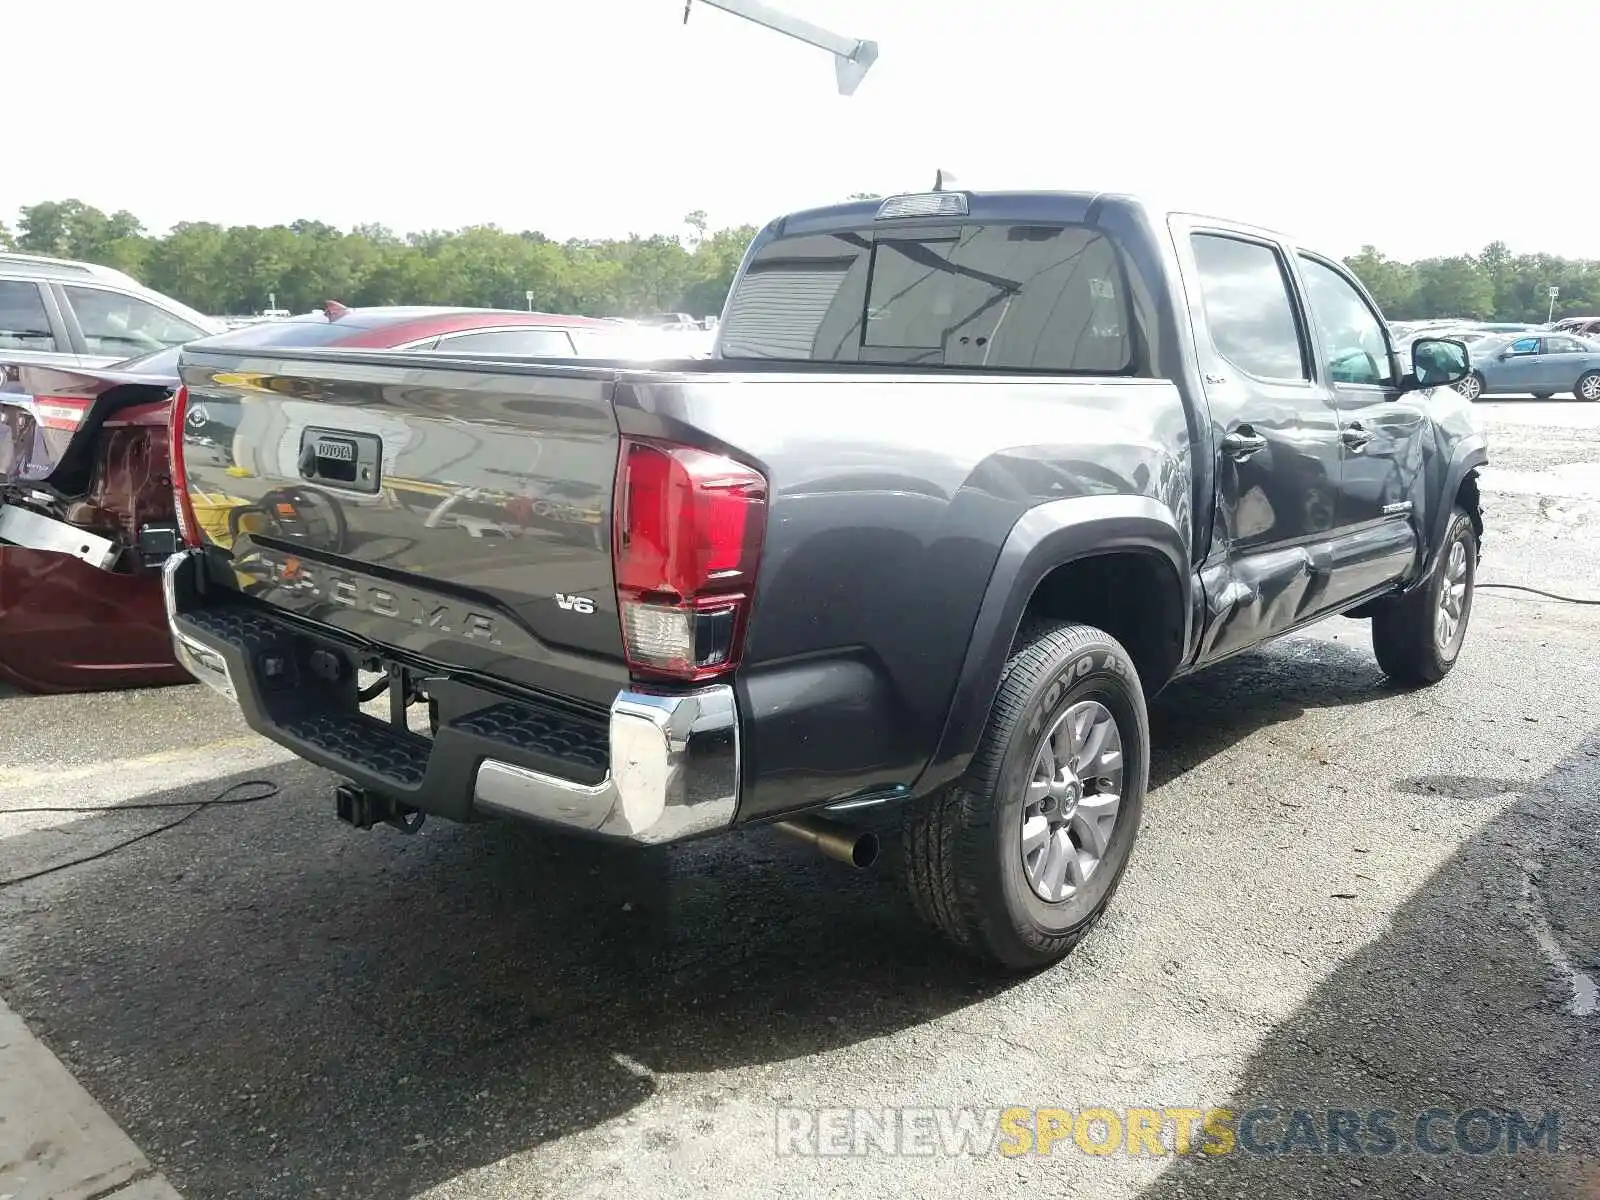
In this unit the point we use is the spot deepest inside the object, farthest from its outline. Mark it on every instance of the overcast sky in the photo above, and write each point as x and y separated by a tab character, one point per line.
1416	125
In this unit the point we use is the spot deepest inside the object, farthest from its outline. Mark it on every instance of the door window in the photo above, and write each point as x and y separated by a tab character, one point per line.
1523	346
1358	352
1562	345
115	323
1252	321
24	324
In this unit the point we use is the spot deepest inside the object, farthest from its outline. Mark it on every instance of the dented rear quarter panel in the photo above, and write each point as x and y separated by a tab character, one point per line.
892	498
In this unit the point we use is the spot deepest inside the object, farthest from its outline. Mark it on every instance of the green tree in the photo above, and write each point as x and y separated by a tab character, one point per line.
1392	284
697	222
304	263
1454	287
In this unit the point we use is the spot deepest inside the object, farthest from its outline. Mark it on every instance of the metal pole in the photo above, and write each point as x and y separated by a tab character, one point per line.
852	57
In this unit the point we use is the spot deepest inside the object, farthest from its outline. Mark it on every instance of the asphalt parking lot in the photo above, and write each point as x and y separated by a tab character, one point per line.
1345	897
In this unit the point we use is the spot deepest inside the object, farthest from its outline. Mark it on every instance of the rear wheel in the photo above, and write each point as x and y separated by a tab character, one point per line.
1471	387
1017	861
1418	637
1588	386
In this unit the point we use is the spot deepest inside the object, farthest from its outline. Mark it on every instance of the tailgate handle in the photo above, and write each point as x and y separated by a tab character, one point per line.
341	457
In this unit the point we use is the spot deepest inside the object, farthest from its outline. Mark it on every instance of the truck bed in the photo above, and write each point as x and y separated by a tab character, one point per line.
891	494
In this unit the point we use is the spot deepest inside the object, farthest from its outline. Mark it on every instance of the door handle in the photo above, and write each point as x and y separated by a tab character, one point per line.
1355	437
1240	444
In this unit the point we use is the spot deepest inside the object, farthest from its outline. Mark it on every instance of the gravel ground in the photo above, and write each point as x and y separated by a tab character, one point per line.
1345	897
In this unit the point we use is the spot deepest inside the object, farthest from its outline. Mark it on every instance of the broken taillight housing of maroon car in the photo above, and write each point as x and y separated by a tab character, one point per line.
115	487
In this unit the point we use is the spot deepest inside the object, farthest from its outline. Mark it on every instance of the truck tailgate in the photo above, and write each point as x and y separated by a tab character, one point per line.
456	510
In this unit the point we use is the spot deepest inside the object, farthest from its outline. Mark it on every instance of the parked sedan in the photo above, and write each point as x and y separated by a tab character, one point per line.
86	515
1540	364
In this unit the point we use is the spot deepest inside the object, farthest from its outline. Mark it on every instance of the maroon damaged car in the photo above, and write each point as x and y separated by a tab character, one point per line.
86	516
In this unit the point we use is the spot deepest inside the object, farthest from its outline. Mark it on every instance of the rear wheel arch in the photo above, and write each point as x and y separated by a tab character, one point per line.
1060	563
1134	594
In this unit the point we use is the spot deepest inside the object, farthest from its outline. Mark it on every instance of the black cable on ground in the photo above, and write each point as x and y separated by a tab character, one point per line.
221	799
1518	587
226	797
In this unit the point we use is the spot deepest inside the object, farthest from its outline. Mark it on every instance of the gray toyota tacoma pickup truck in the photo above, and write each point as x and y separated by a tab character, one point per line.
970	477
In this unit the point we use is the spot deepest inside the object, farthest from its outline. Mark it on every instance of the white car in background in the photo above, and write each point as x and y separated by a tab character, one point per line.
58	313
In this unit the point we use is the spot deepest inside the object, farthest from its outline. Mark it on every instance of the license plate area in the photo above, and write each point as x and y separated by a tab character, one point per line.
341	458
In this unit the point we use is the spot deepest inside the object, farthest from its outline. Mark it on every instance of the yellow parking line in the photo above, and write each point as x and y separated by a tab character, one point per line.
26	775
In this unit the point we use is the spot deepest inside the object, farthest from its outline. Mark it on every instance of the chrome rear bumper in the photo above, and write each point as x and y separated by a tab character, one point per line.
671	765
666	779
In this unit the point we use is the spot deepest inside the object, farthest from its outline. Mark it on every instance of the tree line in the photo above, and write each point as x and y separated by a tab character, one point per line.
233	270
228	270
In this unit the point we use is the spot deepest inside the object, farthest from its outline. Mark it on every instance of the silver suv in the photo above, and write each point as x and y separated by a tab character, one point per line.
58	313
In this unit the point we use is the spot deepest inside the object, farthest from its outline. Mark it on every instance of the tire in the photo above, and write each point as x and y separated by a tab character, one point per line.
965	863
1407	634
1542	395
1472	386
1588	386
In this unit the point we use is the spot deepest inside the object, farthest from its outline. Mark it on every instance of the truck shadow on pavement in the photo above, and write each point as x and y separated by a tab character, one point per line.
273	1005
1202	715
1453	1006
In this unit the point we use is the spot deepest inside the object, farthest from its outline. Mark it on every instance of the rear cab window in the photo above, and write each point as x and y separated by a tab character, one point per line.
1050	298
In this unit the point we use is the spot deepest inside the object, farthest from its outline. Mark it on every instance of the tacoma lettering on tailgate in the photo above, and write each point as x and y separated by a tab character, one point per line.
298	577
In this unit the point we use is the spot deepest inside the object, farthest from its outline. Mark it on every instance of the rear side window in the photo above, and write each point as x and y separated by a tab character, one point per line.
538	343
998	297
122	325
24	324
1245	289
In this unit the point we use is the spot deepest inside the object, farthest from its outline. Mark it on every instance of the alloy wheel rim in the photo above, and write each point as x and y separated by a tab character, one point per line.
1074	795
1470	387
1591	388
1452	614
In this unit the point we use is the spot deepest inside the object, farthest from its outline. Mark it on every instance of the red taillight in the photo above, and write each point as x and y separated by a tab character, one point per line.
687	537
61	412
188	525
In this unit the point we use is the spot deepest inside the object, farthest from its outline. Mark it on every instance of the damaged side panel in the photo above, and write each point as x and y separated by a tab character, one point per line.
1254	597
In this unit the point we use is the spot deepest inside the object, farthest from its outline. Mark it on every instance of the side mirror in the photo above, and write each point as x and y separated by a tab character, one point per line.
1437	362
